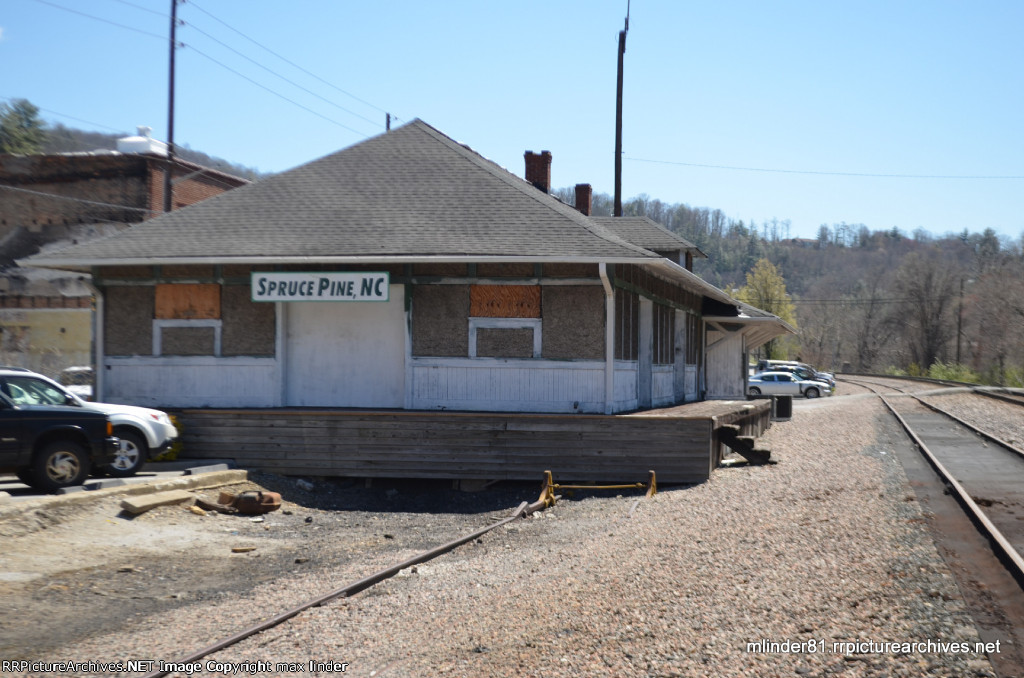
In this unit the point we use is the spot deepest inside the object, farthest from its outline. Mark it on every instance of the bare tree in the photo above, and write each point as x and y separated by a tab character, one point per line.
927	287
867	328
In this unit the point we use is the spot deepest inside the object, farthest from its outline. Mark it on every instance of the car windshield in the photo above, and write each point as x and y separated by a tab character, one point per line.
76	377
30	391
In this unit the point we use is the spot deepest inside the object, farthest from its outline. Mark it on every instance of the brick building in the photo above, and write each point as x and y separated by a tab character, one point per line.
51	201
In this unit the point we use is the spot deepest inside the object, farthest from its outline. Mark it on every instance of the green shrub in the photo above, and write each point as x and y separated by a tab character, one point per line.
954	372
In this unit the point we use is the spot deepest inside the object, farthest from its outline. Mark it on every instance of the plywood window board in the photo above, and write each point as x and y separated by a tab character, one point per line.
504	301
187	302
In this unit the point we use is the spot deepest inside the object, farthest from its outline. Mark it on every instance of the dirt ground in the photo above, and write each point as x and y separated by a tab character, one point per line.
95	568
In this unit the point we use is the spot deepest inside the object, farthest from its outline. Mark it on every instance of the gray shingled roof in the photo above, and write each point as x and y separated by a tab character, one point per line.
649	234
411	192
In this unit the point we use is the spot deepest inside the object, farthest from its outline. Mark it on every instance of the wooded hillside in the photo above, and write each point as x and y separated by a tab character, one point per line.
61	139
865	300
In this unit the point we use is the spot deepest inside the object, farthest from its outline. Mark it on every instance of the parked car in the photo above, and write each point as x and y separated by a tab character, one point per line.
78	380
807	374
144	433
53	446
806	371
786	383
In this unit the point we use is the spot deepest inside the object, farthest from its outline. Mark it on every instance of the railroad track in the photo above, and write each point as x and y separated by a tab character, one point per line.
983	472
1007	397
191	663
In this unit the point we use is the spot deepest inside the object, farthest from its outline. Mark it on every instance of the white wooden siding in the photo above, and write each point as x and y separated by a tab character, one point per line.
690	380
662	385
507	385
200	381
626	376
725	368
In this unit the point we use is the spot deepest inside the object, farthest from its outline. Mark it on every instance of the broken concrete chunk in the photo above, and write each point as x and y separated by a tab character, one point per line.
143	503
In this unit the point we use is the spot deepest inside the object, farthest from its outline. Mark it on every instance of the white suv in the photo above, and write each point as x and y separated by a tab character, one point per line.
144	433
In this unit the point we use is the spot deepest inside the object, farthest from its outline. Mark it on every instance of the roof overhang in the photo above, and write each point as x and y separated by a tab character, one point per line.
756	330
677	273
87	264
661	266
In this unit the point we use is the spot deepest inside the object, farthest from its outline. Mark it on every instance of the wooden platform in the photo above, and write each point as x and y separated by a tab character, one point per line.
678	443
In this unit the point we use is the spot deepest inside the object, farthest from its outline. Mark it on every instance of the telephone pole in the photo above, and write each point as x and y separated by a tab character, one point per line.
618	120
168	185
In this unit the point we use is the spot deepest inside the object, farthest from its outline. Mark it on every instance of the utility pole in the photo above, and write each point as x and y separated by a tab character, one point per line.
168	186
959	320
618	120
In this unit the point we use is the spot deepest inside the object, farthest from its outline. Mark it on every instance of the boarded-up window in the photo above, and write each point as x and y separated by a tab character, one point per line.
187	341
498	342
187	302
504	301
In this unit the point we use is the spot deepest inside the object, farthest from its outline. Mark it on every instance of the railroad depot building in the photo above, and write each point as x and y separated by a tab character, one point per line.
407	273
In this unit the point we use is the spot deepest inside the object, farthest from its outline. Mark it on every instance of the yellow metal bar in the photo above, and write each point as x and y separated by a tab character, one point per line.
634	486
547	489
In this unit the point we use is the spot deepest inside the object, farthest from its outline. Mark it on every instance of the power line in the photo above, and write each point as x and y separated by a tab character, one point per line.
81	200
272	72
275	93
106	21
845	302
144	9
222	65
65	115
290	62
830	174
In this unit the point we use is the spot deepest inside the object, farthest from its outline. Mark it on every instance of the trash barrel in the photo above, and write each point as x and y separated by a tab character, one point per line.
784	407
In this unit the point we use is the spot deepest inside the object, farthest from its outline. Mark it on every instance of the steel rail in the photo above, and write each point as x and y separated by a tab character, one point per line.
522	511
966	424
1003	548
1015	398
981	432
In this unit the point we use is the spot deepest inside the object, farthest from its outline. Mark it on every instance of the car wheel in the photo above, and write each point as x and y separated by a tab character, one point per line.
753	390
812	392
131	455
60	464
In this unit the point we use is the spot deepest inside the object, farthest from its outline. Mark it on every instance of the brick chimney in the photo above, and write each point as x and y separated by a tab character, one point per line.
584	195
538	169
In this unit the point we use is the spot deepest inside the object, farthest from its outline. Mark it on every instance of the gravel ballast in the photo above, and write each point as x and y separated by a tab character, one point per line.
757	572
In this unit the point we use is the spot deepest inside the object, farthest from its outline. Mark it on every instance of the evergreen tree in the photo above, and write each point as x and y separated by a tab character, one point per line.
21	130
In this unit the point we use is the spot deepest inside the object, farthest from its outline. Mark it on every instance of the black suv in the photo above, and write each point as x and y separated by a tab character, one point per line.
53	446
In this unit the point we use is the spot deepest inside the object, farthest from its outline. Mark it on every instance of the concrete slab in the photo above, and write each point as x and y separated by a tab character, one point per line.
210	468
143	503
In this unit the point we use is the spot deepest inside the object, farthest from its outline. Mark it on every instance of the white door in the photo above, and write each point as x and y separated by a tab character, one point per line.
346	354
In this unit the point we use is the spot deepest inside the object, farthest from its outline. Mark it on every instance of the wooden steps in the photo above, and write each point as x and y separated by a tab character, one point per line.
755	451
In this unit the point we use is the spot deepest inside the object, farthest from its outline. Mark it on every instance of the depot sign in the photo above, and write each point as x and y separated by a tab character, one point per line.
320	286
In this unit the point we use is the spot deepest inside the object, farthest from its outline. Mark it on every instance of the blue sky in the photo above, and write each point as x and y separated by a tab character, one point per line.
822	99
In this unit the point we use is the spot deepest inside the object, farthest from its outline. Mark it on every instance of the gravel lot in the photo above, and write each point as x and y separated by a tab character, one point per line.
828	545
